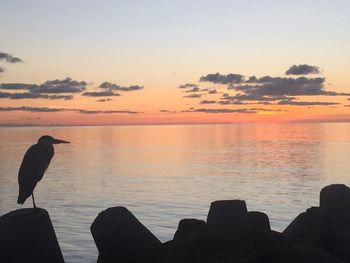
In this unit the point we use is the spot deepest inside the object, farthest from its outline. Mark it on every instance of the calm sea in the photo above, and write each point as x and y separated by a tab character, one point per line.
166	173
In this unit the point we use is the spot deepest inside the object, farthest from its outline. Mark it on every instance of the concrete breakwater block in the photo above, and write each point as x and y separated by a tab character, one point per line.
190	226
311	226
120	237
259	220
227	215
335	204
230	231
328	226
27	235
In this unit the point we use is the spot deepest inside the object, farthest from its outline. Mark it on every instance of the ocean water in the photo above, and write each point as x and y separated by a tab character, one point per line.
165	173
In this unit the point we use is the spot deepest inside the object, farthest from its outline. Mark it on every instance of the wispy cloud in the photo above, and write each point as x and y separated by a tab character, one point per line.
193	96
107	93
221	110
111	86
29	95
195	89
9	58
241	110
31	109
104	111
81	111
208	102
306	103
188	85
104	100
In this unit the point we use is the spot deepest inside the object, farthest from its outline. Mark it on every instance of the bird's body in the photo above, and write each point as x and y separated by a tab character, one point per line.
35	162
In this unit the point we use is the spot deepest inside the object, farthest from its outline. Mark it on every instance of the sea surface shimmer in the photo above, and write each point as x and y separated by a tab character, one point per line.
165	173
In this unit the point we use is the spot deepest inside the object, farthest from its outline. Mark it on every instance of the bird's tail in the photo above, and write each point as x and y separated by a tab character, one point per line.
20	200
23	195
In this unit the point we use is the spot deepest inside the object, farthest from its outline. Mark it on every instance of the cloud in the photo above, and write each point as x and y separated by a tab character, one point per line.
218	78
306	103
104	112
112	86
108	93
51	89
16	86
188	85
241	110
29	95
302	69
81	111
252	97
193	96
67	85
195	89
212	91
104	100
208	102
225	102
60	97
31	109
277	86
251	79
235	102
222	110
9	58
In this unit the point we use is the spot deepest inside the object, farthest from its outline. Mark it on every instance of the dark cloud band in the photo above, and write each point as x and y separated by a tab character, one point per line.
218	78
81	111
112	86
108	93
29	95
302	69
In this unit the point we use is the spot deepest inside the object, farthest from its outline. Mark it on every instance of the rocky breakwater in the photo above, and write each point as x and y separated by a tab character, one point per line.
27	235
231	233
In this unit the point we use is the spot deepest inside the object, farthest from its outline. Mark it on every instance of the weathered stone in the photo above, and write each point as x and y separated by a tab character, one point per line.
120	237
265	243
189	226
259	220
227	215
27	235
195	248
335	204
303	253
231	232
341	245
310	226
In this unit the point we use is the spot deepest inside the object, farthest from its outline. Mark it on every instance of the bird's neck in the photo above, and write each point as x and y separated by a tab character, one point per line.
48	148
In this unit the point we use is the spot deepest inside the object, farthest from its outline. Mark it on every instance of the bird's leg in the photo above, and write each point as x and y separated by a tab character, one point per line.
33	200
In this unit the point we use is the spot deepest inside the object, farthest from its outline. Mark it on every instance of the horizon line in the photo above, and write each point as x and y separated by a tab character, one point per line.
15	125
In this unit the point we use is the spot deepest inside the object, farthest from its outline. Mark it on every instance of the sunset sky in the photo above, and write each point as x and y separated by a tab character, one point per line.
173	62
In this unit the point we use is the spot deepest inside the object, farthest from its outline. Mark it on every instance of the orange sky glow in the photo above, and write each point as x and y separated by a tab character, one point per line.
172	63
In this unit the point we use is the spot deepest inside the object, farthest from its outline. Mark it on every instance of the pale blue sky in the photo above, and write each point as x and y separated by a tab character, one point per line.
75	33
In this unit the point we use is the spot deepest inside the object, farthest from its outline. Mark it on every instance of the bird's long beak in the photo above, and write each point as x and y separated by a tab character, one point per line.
57	141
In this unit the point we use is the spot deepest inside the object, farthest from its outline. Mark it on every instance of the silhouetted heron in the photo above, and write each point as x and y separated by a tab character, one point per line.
34	164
